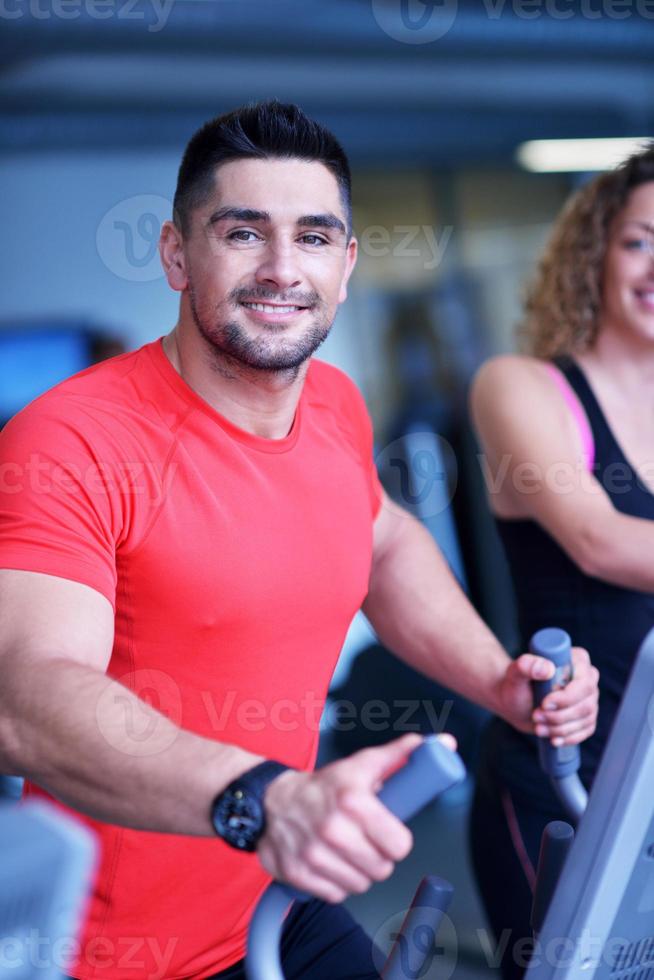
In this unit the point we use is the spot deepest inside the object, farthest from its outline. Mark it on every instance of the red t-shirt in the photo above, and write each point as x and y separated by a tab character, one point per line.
234	565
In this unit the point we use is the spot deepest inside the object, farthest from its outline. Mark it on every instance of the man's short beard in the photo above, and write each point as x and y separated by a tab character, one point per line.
230	342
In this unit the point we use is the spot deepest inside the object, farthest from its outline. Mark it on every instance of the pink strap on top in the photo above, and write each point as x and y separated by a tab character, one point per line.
587	441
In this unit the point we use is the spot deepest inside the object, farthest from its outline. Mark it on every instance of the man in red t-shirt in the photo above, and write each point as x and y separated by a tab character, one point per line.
186	532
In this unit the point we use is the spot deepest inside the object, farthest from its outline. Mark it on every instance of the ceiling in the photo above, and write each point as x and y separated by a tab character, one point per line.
401	82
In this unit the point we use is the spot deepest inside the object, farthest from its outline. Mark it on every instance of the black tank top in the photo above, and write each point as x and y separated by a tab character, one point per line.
608	620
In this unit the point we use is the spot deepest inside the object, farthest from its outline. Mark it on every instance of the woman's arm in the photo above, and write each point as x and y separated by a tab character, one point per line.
534	468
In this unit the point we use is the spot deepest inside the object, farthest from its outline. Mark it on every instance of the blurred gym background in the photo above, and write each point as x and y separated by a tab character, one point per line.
432	100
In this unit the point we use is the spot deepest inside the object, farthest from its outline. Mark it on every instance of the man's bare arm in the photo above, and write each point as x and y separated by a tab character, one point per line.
86	738
419	611
102	750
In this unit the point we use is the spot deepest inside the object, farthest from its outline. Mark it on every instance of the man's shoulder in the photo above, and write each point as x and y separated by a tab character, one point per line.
100	402
116	379
331	392
99	390
327	380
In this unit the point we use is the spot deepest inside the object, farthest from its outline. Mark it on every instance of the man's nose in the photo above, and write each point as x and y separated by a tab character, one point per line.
279	267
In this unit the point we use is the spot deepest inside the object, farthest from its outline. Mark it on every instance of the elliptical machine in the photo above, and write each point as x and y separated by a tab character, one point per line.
430	770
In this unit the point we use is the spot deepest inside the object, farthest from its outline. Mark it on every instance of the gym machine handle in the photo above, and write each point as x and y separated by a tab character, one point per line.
561	764
555	845
429	771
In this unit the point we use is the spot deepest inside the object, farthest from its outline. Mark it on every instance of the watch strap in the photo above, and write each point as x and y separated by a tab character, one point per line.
257	778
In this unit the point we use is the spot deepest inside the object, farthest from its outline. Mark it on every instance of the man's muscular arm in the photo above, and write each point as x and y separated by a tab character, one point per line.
86	738
418	610
100	749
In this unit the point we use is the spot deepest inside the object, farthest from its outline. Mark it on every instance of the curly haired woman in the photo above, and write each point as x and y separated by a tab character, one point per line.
568	441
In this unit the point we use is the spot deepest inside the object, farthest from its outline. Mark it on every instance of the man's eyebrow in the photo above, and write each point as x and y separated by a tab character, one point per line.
327	220
231	213
234	213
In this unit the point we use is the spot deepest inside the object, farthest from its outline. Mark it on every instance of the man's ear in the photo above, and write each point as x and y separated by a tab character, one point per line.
172	256
350	262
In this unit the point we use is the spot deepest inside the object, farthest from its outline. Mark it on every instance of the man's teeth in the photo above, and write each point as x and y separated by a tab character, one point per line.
265	308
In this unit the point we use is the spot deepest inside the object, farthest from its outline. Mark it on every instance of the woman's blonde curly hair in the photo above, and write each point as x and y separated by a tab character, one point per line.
563	302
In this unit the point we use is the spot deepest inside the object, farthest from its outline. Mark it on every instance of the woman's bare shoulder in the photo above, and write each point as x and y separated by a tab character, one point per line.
509	377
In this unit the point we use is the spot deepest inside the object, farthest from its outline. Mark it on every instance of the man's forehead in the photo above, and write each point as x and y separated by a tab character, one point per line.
306	186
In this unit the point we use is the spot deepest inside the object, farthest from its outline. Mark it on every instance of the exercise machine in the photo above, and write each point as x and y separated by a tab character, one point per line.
598	922
594	904
429	771
47	861
594	916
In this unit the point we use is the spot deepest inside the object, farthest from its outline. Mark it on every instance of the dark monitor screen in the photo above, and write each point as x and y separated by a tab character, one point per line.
600	923
34	359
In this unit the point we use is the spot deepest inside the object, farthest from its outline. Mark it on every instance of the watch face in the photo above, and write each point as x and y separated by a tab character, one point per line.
238	818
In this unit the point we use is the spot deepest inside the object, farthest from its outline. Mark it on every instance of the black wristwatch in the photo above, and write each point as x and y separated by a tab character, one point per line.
237	813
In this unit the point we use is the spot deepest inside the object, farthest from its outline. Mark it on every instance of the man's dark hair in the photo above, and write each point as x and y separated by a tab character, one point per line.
258	131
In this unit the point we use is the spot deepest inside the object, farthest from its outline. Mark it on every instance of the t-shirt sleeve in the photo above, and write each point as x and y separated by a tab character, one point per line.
57	515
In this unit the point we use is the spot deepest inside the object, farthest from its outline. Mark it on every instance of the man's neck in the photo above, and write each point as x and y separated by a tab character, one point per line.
260	402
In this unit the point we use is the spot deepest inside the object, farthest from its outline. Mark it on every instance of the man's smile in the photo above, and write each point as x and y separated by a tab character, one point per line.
273	312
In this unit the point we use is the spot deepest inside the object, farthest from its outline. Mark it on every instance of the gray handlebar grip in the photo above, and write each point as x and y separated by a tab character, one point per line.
555	645
429	771
555	845
416	942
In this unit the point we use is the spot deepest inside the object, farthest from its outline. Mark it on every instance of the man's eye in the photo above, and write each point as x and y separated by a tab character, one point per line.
242	235
311	239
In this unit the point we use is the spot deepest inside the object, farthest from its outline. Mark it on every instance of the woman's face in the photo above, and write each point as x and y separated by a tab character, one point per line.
628	290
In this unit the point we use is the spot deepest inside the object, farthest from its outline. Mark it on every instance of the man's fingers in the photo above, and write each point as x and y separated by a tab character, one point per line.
382	761
534	668
574	735
348	834
448	740
580	656
316	869
388	835
343	872
582	687
540	668
338	860
315	885
586	708
328	833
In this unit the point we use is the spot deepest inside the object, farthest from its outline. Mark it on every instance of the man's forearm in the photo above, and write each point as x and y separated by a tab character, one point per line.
71	729
419	612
